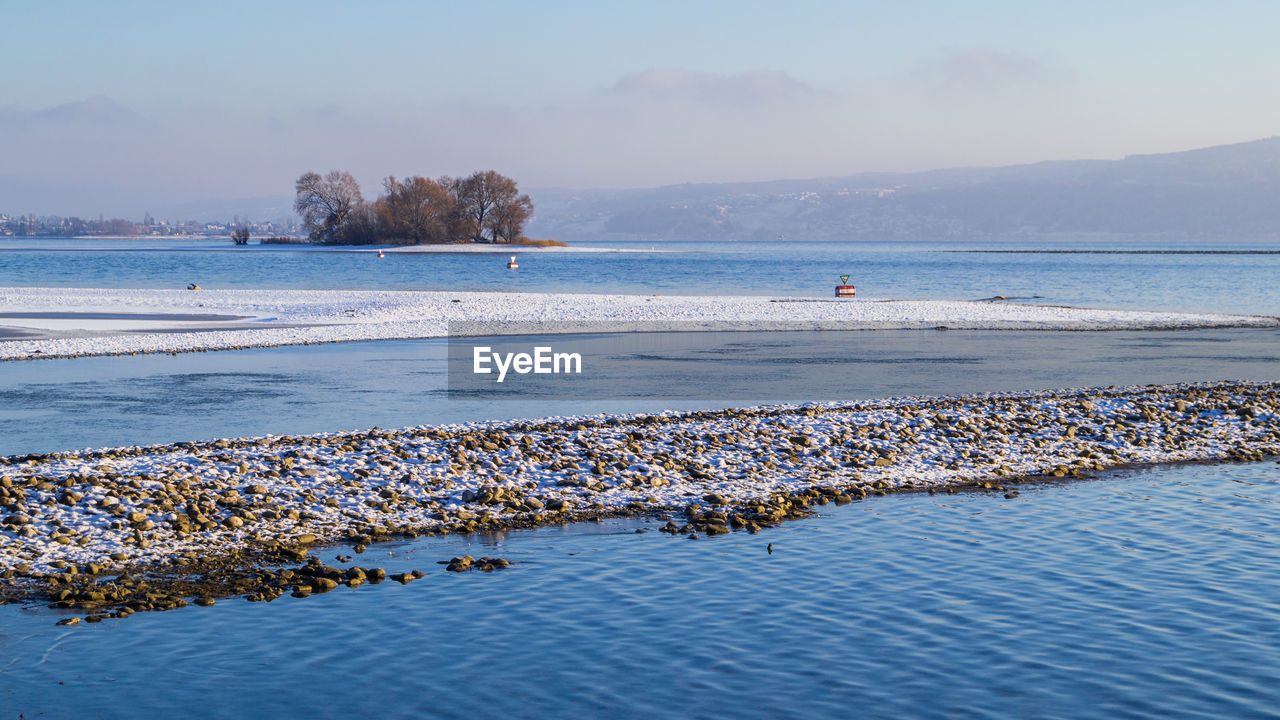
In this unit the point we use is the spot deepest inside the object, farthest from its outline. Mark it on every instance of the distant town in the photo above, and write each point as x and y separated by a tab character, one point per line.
12	226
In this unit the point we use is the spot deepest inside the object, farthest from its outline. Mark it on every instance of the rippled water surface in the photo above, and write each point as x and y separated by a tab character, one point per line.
1151	595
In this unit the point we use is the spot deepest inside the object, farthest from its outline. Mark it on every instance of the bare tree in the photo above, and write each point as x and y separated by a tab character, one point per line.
365	225
325	202
240	235
478	195
417	209
506	220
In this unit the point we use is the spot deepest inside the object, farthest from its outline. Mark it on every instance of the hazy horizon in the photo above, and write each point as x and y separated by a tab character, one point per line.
132	109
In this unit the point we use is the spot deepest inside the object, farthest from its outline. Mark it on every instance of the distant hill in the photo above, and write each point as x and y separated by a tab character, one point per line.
1223	192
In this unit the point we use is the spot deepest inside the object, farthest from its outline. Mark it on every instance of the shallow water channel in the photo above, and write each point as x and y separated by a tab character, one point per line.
52	405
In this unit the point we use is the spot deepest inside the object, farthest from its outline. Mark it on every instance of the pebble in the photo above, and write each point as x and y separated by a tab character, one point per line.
67	518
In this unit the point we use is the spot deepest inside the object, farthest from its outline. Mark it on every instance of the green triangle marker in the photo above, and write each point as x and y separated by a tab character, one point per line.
844	279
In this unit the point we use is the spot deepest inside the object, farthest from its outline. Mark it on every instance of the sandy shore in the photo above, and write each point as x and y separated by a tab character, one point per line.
234	502
81	322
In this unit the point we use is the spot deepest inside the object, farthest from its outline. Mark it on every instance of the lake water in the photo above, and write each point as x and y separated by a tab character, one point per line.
1151	595
1239	283
50	405
1154	595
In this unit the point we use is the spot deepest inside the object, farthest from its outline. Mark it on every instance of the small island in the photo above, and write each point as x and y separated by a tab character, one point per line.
484	207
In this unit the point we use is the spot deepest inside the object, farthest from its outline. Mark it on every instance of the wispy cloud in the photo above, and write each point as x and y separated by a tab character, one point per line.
982	69
755	87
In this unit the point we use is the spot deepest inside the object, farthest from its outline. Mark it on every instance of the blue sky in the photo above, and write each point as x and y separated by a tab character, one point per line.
117	106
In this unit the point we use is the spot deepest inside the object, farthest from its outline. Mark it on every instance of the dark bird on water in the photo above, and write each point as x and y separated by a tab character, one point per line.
769	547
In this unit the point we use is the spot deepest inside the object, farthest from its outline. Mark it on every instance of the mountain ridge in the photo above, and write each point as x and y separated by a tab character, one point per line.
1228	190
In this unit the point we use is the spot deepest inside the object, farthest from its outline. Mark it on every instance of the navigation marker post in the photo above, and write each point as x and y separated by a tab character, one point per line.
844	289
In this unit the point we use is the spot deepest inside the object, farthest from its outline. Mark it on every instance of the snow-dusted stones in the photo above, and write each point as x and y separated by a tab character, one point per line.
190	520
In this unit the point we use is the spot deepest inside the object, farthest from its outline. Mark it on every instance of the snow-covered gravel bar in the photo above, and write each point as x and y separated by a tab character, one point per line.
62	322
727	469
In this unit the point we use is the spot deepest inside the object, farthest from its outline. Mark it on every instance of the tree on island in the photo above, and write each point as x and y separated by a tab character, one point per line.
325	202
417	209
490	201
485	205
506	221
240	230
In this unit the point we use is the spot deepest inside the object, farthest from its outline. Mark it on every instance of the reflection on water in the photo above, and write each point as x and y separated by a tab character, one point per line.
1143	596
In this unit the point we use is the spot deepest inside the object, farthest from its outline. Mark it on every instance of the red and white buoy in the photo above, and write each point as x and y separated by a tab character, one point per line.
513	264
380	254
844	289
